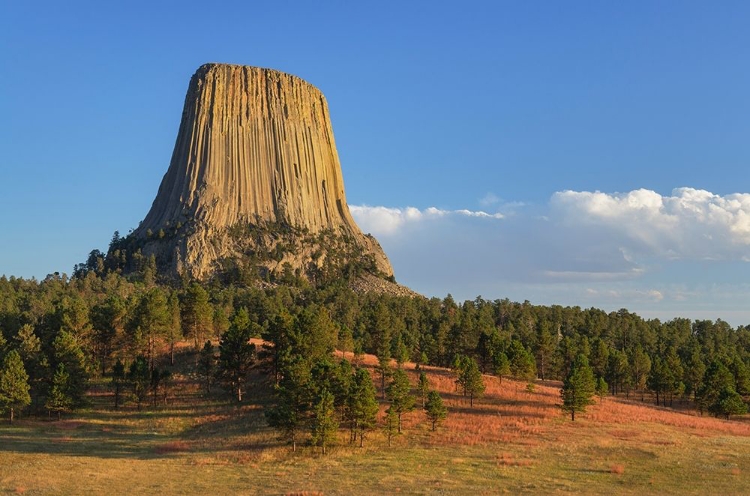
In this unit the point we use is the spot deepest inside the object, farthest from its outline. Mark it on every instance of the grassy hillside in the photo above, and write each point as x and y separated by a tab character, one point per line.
512	440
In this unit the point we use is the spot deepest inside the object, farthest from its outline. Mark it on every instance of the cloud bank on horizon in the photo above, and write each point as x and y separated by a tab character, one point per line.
638	250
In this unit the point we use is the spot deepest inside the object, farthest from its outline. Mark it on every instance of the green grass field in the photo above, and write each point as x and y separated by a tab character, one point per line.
511	441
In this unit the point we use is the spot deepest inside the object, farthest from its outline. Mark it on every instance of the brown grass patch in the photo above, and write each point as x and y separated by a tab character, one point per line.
617	468
19	490
735	471
172	447
622	434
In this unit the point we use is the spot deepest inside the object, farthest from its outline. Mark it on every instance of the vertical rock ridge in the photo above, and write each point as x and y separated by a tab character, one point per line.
254	146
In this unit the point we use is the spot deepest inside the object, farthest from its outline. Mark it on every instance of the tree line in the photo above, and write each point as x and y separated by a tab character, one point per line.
58	333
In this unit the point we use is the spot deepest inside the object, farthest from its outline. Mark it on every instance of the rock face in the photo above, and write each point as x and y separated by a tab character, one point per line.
254	155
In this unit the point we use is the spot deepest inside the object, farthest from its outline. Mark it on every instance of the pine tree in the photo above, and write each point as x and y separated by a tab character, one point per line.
236	357
68	351
717	381
60	399
601	388
196	313
578	387
402	352
522	362
640	369
500	365
728	403
436	410
363	406
118	380
292	401
140	379
324	423
399	394
152	321
473	381
545	347
14	384
391	425
384	364
207	365
423	386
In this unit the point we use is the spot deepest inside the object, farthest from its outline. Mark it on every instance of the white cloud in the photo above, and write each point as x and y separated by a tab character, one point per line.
659	255
688	224
386	221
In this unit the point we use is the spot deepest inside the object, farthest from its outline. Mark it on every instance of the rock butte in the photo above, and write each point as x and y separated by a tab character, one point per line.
255	147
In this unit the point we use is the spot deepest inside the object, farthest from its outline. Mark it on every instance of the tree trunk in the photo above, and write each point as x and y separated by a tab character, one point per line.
573	414
11	415
239	394
361	439
399	423
471	400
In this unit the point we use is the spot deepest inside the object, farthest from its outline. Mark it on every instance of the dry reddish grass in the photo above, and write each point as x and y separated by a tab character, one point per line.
617	468
172	447
509	413
621	411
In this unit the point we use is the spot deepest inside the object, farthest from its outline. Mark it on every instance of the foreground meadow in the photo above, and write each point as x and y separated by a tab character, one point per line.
512	440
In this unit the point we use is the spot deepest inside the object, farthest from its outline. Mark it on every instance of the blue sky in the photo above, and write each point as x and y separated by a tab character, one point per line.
606	142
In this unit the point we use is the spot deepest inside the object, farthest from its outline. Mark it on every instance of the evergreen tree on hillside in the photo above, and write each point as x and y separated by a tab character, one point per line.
391	424
196	314
118	381
717	381
14	384
139	377
151	322
207	365
236	356
399	394
601	388
324	424
363	406
435	409
292	393
384	364
500	365
640	369
729	402
470	378
578	388
522	362
60	399
423	386
68	352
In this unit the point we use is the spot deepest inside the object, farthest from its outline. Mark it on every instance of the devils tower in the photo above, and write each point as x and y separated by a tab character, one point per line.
254	185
